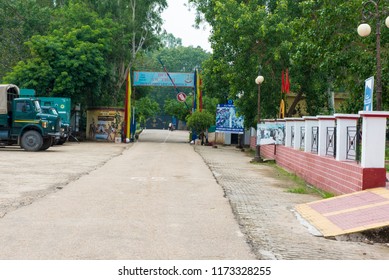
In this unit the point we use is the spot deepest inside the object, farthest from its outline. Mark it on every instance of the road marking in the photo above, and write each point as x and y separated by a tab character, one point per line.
164	142
152	179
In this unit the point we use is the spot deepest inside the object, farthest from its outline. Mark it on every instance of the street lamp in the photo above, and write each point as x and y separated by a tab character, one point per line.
240	94
259	80
364	30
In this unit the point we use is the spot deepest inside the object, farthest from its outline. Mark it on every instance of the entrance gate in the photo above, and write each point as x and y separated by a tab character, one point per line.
160	79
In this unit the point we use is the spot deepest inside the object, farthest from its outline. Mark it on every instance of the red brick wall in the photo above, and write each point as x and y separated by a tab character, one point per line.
326	173
253	142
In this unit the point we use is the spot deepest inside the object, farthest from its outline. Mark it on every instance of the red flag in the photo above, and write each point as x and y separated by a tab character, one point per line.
282	82
287	83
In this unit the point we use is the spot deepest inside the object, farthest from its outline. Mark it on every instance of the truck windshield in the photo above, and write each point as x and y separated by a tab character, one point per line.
37	106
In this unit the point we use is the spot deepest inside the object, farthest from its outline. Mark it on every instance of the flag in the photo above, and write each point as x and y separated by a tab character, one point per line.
127	112
198	98
285	84
199	93
282	109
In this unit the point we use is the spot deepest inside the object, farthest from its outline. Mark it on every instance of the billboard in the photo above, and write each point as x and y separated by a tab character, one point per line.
227	120
368	100
271	133
161	79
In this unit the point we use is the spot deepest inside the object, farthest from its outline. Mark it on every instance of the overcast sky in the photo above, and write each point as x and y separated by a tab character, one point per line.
179	21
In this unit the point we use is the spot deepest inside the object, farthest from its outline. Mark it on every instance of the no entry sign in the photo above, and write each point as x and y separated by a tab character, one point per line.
181	97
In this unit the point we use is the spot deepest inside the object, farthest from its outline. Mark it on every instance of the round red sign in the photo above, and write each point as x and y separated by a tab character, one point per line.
181	97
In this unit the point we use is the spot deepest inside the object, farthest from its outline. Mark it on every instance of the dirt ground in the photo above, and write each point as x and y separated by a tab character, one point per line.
27	176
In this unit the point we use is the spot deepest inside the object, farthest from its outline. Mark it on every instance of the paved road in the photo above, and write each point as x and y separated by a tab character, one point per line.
155	200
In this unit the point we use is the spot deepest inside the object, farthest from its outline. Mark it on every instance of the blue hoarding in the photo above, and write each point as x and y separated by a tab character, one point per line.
227	120
161	79
368	100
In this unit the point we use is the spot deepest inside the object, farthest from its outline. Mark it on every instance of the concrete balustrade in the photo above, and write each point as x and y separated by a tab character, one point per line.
344	174
324	123
343	122
310	122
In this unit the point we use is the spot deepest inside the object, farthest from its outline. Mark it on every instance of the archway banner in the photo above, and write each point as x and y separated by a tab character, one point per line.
162	79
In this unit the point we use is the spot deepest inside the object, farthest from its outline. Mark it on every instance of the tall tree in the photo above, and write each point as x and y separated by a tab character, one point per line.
70	61
316	40
19	20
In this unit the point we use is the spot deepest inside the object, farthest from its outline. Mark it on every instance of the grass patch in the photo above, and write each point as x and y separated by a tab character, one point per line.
299	185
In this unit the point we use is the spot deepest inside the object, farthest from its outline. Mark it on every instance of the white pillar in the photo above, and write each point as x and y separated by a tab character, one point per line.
310	122
373	138
298	123
324	123
343	121
289	130
281	123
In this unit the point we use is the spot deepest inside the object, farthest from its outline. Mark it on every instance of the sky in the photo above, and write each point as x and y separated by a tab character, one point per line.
179	21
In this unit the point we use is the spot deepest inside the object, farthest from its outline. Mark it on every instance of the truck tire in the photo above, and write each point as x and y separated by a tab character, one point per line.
31	141
47	143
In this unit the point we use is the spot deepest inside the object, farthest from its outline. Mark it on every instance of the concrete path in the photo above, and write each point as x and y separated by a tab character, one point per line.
157	200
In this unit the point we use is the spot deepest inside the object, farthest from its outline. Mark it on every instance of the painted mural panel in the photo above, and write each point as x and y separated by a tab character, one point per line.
104	124
268	134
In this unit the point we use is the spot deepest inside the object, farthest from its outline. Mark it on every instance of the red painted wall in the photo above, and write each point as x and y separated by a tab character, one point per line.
326	173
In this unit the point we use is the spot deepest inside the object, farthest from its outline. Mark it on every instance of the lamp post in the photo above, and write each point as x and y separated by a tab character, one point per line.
259	80
240	94
364	30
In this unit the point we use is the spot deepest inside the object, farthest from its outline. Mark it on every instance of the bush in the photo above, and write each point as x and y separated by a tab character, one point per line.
200	121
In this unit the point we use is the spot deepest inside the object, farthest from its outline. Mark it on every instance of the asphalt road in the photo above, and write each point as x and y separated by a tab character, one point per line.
154	199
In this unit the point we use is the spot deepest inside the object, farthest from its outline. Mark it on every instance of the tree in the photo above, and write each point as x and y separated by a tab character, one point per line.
200	121
146	108
70	61
316	40
178	109
140	22
19	21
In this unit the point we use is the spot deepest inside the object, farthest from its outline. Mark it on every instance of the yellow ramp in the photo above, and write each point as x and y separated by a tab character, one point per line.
348	213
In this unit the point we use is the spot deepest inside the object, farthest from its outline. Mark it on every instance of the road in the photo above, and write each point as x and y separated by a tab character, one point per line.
154	199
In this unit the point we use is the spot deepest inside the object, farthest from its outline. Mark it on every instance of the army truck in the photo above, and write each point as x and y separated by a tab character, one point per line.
23	123
65	127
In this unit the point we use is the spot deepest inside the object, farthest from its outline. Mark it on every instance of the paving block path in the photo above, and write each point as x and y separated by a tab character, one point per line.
265	211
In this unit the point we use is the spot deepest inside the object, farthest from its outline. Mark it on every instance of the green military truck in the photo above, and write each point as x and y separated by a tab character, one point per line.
23	123
62	106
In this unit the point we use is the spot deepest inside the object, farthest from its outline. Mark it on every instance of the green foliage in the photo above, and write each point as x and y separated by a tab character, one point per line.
200	121
178	109
146	108
80	48
70	61
316	40
19	21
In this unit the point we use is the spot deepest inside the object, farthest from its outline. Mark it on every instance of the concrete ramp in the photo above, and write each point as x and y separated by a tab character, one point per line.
349	213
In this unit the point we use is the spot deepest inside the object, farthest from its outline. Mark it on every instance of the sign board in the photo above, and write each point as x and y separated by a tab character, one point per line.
227	120
161	79
273	133
368	100
181	97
